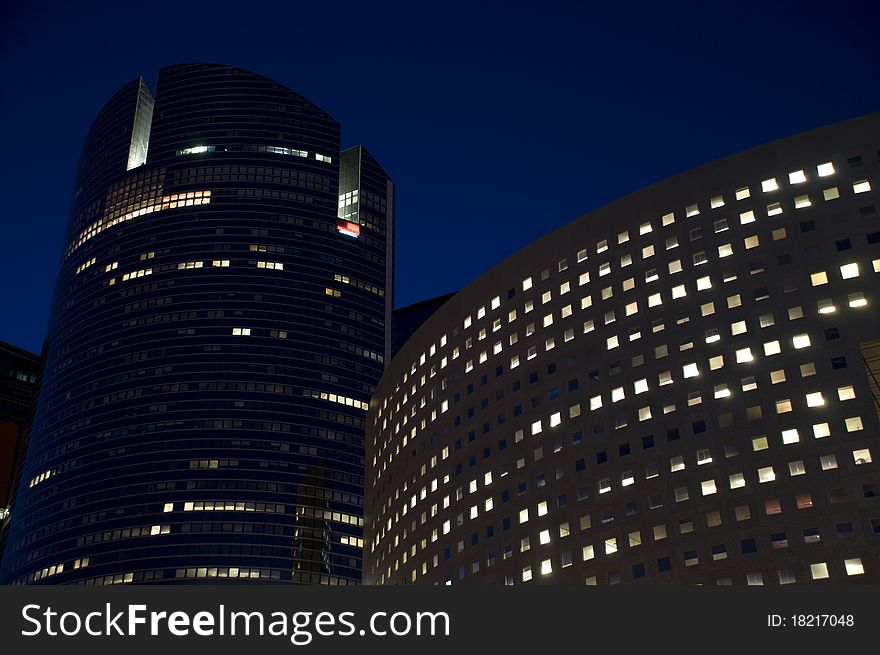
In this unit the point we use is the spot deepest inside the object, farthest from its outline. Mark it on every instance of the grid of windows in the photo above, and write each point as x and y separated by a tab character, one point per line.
681	408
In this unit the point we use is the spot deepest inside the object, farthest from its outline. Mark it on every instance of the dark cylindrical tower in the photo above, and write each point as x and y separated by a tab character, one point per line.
217	331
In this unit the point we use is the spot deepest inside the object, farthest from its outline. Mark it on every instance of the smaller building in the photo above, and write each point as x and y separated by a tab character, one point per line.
18	379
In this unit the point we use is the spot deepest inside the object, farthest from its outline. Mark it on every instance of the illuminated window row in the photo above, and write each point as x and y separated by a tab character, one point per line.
136	274
186	265
85	265
239	506
229	572
134	210
336	398
359	284
276	266
45	475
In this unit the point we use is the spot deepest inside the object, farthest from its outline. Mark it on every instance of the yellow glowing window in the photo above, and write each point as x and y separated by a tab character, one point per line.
802	201
716	202
790	436
857	300
819	278
831	193
742	193
769	185
772	348
747	217
692	210
668	219
797	177
774	209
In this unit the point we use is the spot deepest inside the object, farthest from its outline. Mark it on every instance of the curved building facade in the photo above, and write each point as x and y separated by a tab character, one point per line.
219	323
678	387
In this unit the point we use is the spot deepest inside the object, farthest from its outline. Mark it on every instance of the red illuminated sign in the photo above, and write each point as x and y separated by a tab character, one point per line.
349	229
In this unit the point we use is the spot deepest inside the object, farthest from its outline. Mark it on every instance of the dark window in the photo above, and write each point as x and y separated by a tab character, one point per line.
672	434
783	259
601	457
572	384
663	565
748	546
551	368
843	244
873	237
638	571
832	333
699	426
623	450
648	441
838	362
580	465
808	226
533	377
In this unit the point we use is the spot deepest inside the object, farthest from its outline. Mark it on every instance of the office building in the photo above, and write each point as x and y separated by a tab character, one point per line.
678	387
220	319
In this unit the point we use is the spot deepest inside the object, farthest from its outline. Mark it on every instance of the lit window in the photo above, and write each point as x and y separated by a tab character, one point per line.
862	456
611	546
857	300
617	394
716	362
825	169
766	474
243	332
716	202
790	436
815	399
678	291
819	571
825	306
526	284
775	209
708	487
846	393
721	391
828	462
819	278
759	443
797	177
854	566
848	271
747	217
644	228
742	193
668	219
751	242
744	355
802	201
831	193
854	424
801	341
612	342
821	430
769	185
737	481
654	300
690	370
725	250
738	327
595	402
861	186
704	283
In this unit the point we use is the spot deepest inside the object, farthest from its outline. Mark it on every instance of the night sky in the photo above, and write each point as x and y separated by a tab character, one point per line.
498	121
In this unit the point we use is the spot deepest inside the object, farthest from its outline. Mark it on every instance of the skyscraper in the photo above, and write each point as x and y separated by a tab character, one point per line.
220	320
678	387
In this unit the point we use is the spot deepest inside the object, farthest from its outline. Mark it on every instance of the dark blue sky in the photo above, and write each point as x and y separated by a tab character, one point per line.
499	121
